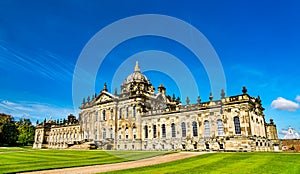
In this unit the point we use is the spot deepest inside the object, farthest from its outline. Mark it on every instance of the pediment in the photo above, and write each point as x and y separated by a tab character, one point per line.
104	97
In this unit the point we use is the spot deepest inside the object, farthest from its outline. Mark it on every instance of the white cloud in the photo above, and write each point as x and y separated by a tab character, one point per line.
298	98
283	104
33	110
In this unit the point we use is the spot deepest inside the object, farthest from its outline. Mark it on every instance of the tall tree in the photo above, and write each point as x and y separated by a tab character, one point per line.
25	132
8	130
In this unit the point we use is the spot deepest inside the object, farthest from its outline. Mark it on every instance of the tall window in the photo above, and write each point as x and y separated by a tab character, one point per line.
134	132
237	126
120	133
163	130
127	112
96	116
183	129
133	112
120	113
173	130
154	131
104	133
111	133
195	129
103	114
220	127
111	114
126	133
206	129
146	131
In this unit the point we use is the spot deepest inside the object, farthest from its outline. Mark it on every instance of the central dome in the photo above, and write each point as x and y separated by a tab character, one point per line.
136	76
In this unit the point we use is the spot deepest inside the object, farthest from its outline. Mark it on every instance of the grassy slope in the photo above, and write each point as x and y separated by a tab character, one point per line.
17	159
228	163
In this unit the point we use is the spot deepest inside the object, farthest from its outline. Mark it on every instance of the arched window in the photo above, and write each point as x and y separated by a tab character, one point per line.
146	131
111	133
195	129
104	133
183	129
237	126
206	129
134	132
163	130
126	133
104	115
173	130
154	131
133	112
220	127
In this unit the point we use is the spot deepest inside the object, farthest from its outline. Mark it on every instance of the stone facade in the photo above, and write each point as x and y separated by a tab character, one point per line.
141	119
58	135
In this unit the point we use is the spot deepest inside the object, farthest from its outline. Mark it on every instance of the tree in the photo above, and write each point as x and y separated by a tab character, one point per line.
8	130
25	132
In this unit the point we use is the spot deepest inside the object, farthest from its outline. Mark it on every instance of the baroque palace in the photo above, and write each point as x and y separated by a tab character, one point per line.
140	118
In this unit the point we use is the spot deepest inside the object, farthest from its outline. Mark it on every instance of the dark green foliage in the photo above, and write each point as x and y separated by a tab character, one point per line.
8	130
25	132
13	133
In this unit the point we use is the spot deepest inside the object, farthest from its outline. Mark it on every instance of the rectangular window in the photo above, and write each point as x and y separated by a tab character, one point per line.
206	129
127	112
104	115
154	131
173	130
183	129
111	114
220	128
111	133
195	129
133	112
163	130
146	131
237	126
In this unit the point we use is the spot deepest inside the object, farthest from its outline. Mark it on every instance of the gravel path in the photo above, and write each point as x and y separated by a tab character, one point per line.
123	165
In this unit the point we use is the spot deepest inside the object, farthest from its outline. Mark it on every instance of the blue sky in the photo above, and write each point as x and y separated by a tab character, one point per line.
258	44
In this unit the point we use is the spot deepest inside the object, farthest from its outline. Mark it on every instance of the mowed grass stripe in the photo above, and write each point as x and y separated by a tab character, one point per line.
53	165
23	157
280	163
18	161
227	163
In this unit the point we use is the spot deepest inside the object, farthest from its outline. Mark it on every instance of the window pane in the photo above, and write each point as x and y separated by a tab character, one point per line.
146	131
237	125
206	129
183	129
173	130
163	130
104	133
154	131
220	128
195	129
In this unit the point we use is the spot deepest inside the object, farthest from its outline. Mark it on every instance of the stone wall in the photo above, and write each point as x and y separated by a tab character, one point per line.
290	145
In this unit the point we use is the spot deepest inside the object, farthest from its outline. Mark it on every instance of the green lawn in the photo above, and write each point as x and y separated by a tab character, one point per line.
25	159
228	163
